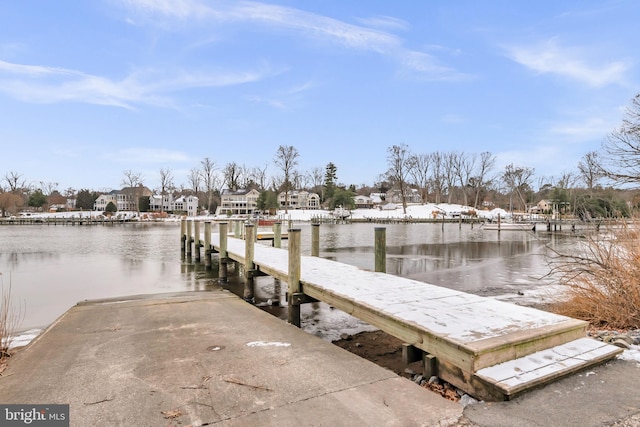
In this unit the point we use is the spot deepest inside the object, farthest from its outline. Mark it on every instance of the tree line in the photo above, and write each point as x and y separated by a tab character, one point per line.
602	184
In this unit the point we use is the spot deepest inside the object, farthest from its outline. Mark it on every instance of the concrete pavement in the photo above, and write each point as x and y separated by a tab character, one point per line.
605	395
207	358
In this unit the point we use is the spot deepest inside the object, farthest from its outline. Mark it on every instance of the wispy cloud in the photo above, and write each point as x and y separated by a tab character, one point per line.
285	99
587	129
148	155
569	61
44	84
384	22
306	24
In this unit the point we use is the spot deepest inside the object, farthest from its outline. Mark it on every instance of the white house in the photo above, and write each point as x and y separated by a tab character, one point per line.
299	200
168	203
125	199
363	202
240	202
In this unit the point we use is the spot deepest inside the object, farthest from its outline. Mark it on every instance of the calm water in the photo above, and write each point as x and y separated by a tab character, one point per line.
50	268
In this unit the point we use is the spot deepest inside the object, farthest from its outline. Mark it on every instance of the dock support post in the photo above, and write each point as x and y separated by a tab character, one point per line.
315	239
249	245
294	276
236	229
277	234
430	365
411	353
189	239
207	245
196	239
222	255
183	237
380	249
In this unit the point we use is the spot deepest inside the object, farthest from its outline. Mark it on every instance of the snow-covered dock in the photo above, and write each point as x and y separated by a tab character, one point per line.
491	349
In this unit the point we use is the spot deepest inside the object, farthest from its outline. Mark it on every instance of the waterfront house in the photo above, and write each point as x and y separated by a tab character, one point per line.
299	200
238	202
125	199
169	203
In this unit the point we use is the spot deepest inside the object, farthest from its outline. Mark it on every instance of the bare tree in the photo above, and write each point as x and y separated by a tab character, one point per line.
621	159
48	187
286	159
315	178
299	180
590	170
14	181
195	179
208	177
437	175
480	180
449	173
518	180
132	181
462	165
232	174
69	192
399	163
420	169
166	184
259	176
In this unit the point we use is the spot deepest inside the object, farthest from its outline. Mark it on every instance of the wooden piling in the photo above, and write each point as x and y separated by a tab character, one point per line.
207	245
222	255
236	229
183	236
315	239
294	276
380	249
277	234
249	266
196	239
189	239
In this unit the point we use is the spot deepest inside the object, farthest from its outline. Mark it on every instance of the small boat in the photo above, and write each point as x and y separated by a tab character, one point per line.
510	226
341	213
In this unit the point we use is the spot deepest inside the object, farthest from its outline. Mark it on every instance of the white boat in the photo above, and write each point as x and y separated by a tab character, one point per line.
341	213
510	226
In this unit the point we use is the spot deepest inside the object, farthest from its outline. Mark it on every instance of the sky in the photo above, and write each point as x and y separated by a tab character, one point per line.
91	89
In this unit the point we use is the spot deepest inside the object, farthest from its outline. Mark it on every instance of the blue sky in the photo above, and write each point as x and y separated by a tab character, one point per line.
92	88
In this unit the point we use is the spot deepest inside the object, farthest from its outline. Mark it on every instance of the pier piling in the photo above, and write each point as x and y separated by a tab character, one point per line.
222	255
380	249
196	240
207	245
189	240
183	236
249	266
294	276
315	239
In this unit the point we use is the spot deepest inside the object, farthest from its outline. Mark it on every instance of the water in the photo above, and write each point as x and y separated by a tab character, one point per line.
51	268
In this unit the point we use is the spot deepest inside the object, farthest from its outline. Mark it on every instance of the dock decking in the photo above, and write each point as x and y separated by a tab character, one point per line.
490	349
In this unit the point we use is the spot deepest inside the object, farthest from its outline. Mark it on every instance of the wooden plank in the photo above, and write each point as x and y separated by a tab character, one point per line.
465	333
515	376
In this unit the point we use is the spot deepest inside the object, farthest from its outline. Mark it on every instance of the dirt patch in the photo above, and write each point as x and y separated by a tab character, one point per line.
386	351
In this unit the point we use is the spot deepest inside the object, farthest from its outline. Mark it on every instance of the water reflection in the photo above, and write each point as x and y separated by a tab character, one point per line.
53	267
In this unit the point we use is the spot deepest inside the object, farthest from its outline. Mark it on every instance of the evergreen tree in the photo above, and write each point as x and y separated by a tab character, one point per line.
330	178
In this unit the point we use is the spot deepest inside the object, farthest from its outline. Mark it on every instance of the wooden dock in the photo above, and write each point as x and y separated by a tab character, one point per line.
492	350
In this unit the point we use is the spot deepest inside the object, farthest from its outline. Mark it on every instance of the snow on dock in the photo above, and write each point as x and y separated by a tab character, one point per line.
465	333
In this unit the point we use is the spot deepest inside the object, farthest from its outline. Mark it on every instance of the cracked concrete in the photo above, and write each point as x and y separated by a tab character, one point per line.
183	359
